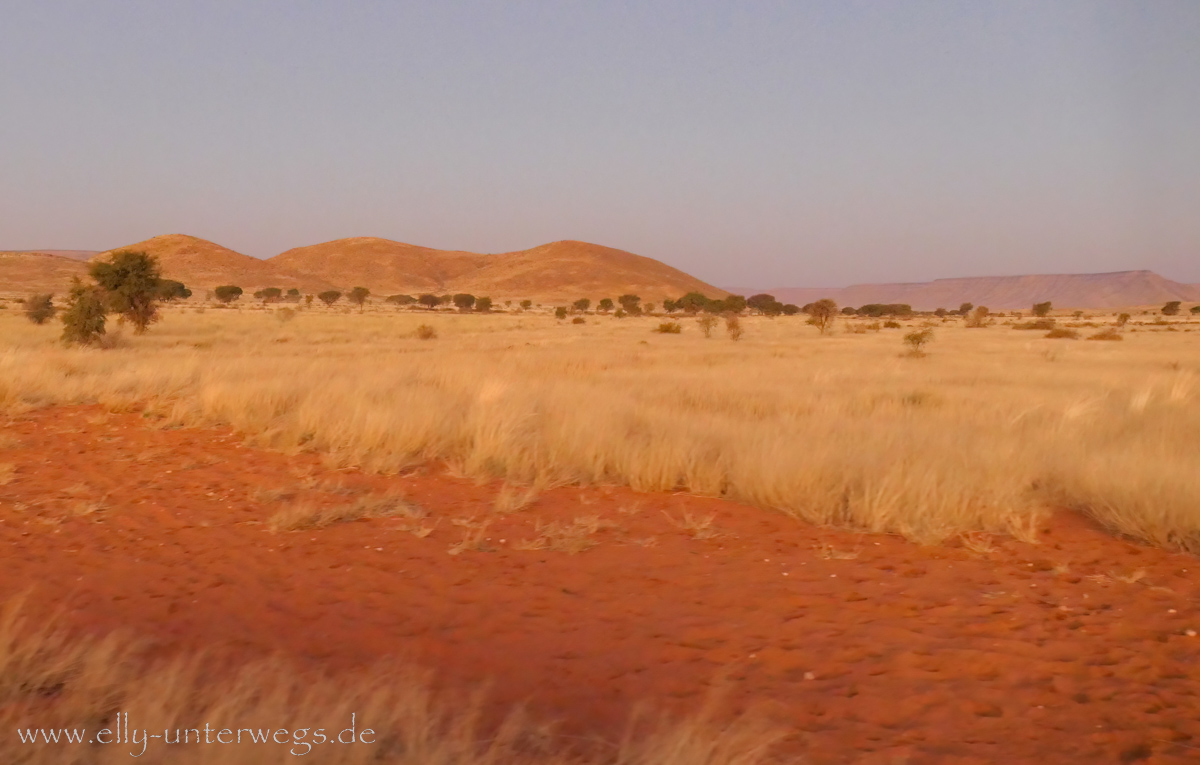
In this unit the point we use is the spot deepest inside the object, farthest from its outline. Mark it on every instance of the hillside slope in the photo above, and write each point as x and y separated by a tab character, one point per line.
558	271
201	264
22	273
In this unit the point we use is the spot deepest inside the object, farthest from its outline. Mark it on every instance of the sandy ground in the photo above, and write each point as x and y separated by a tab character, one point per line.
1079	649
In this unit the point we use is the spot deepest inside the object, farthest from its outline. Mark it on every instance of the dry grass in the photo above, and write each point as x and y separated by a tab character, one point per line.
308	515
51	680
827	429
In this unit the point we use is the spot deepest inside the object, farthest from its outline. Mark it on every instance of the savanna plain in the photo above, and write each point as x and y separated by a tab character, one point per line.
507	537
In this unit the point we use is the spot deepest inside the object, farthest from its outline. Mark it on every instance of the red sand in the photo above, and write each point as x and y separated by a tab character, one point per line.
874	649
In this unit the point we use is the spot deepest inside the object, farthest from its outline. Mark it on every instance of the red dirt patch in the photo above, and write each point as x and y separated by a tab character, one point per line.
1078	649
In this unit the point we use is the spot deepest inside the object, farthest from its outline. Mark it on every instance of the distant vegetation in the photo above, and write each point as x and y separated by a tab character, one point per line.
39	308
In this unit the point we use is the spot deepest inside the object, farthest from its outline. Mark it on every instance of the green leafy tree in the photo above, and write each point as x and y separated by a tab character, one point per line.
329	297
429	301
39	308
483	304
227	293
581	305
293	295
526	305
1042	309
400	299
169	289
269	294
630	303
464	301
131	281
692	303
605	305
965	309
734	304
1171	308
821	314
359	296
765	304
790	309
83	320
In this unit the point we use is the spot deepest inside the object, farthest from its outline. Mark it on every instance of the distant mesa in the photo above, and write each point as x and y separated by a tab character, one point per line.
1112	290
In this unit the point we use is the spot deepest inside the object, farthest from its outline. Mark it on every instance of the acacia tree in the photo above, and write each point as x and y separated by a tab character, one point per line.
329	297
131	282
1042	310
582	304
483	304
631	304
821	314
463	301
359	296
1171	308
605	305
429	301
227	293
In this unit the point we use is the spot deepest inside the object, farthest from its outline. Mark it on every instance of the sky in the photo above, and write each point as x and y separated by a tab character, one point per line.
748	143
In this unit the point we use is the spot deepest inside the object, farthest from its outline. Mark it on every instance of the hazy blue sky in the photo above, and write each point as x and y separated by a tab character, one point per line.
750	143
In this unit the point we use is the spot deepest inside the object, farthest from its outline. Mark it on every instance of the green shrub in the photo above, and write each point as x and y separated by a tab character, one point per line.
83	320
329	297
39	308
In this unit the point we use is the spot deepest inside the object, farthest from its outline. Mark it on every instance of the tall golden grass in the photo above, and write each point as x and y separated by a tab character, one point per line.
987	433
50	679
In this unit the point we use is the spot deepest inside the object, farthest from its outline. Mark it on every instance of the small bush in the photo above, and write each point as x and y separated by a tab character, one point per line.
560	312
1062	333
669	328
39	308
1107	334
284	315
891	325
916	341
707	323
579	320
426	332
733	325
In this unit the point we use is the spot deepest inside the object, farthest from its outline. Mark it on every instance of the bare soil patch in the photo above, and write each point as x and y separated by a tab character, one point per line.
585	601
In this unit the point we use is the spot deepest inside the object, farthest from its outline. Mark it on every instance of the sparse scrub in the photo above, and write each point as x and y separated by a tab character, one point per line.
425	332
1062	333
707	323
1042	325
306	515
1107	334
669	328
699	421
